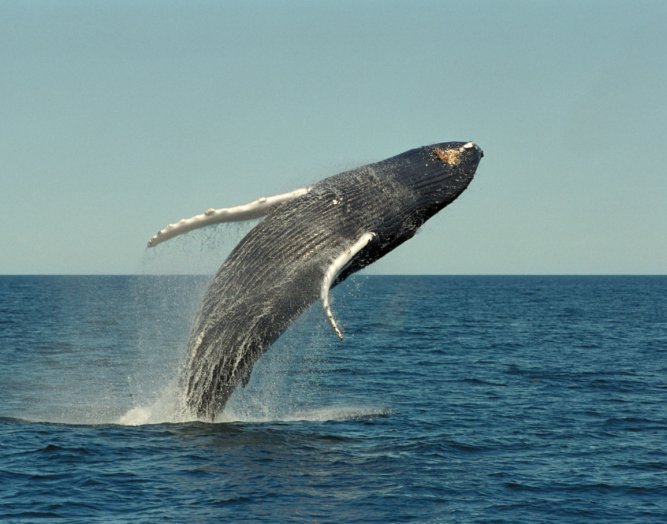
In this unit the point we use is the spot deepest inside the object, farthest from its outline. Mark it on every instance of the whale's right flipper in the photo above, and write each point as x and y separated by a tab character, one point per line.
334	270
256	209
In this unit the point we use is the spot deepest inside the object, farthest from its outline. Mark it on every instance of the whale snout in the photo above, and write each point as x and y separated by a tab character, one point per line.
474	147
471	147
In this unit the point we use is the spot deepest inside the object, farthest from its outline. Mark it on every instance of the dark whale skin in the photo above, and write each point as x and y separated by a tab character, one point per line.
276	271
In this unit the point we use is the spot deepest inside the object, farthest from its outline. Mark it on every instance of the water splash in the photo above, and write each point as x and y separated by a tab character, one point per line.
323	414
167	408
157	414
288	384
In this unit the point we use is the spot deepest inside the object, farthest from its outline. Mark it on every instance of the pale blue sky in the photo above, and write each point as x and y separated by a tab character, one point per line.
117	117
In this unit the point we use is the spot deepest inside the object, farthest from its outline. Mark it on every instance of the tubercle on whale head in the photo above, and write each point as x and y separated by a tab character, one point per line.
450	163
440	171
452	154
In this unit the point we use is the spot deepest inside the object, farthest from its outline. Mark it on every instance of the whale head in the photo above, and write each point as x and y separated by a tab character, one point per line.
400	193
437	174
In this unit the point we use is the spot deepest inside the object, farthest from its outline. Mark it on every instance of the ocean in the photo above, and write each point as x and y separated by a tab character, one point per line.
451	399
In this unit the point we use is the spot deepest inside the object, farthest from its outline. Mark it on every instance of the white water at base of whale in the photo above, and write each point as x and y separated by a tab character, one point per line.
140	416
323	414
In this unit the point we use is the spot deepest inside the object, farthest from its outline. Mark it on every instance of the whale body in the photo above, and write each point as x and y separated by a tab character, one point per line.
310	240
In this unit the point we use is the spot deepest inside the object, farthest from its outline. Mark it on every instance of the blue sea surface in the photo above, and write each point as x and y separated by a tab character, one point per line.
451	399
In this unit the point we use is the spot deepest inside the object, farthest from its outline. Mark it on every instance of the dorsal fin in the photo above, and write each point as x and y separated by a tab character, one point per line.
337	265
255	209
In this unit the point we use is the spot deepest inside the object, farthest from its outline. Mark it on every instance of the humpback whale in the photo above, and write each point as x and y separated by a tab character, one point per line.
309	240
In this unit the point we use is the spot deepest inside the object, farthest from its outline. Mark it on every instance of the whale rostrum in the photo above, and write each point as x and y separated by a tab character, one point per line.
309	241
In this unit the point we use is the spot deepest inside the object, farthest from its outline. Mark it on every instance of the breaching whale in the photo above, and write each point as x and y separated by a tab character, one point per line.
310	240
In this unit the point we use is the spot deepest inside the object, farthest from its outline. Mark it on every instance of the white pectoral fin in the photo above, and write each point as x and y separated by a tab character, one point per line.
337	265
255	209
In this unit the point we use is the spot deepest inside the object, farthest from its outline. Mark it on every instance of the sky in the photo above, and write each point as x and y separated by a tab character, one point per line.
119	117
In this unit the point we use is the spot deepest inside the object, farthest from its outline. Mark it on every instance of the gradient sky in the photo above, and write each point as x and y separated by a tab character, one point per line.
119	117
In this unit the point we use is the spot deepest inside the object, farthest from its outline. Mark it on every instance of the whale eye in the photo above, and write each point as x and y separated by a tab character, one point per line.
448	156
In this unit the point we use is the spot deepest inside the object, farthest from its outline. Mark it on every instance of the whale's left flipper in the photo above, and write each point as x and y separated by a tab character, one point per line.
337	265
255	209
